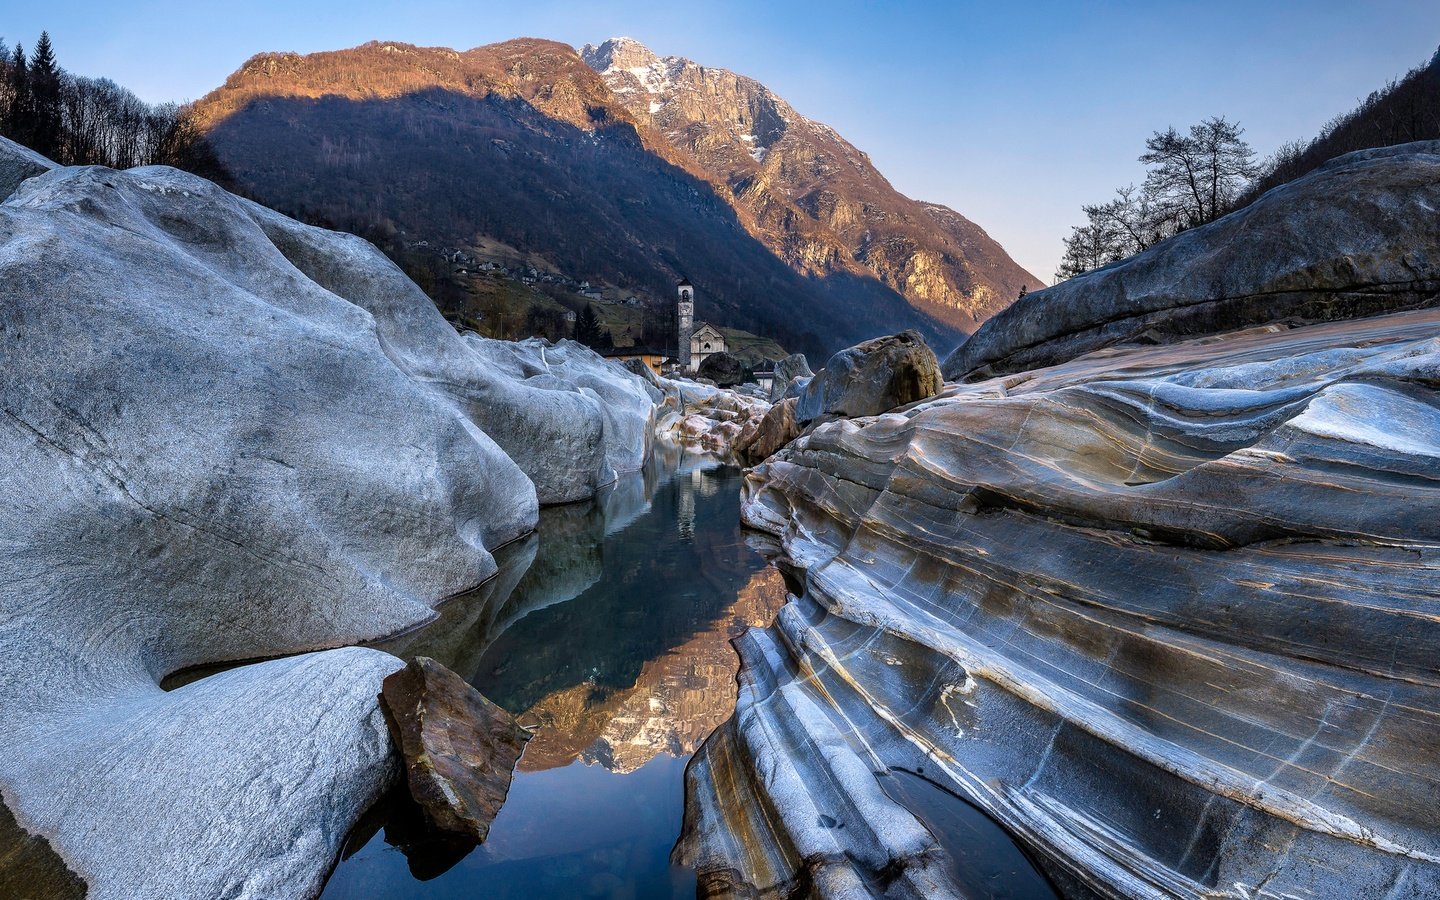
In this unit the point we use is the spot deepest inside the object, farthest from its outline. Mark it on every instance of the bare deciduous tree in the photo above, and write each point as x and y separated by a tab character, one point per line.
1198	174
1193	178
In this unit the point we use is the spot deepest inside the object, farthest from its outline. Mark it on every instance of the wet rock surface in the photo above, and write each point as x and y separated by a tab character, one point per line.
459	749
871	378
29	868
1358	236
1165	613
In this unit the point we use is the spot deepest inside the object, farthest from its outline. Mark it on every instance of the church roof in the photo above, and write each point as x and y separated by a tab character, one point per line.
684	282
701	326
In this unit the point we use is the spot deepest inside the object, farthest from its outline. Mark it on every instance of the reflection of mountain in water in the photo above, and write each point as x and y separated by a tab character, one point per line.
675	701
609	628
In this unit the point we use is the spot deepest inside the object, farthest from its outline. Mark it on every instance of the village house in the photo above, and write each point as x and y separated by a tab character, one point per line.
655	359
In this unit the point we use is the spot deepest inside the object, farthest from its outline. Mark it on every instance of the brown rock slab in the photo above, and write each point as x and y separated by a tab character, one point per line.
459	748
761	439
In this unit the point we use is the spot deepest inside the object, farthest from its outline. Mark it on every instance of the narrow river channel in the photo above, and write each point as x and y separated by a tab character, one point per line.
608	632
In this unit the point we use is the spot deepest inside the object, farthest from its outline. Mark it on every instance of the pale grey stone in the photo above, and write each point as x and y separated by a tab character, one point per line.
793	366
17	163
230	436
1358	236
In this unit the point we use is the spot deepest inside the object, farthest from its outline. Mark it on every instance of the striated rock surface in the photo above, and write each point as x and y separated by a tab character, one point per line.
871	378
1166	613
459	749
1358	236
229	436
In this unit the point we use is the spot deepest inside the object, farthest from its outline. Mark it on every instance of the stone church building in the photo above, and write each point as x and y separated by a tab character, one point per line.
704	341
694	341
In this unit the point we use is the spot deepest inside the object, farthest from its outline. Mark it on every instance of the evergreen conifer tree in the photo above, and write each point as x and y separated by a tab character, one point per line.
44	85
587	327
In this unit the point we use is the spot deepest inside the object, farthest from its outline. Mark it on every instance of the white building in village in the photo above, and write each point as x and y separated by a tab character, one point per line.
705	340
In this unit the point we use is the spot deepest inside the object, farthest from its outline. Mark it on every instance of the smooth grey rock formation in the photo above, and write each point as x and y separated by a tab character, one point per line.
1357	236
793	366
566	417
871	378
606	394
230	436
1166	613
640	368
17	163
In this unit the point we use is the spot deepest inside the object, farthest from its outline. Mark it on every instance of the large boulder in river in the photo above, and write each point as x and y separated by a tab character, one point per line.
722	368
1167	613
1355	237
459	749
793	366
229	436
871	378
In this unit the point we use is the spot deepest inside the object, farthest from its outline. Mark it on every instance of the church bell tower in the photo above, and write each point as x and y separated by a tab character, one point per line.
684	322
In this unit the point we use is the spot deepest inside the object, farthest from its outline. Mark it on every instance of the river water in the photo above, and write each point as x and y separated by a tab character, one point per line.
607	632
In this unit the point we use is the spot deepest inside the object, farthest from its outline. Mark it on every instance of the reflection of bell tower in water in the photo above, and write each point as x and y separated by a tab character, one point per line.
684	322
685	509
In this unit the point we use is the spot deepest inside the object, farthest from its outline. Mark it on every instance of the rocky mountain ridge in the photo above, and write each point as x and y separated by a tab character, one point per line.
524	144
812	197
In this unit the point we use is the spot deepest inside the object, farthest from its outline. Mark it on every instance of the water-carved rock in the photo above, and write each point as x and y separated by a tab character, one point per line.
706	416
230	436
459	748
1164	612
793	366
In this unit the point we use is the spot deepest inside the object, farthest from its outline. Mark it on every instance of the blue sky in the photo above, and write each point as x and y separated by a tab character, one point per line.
1013	113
